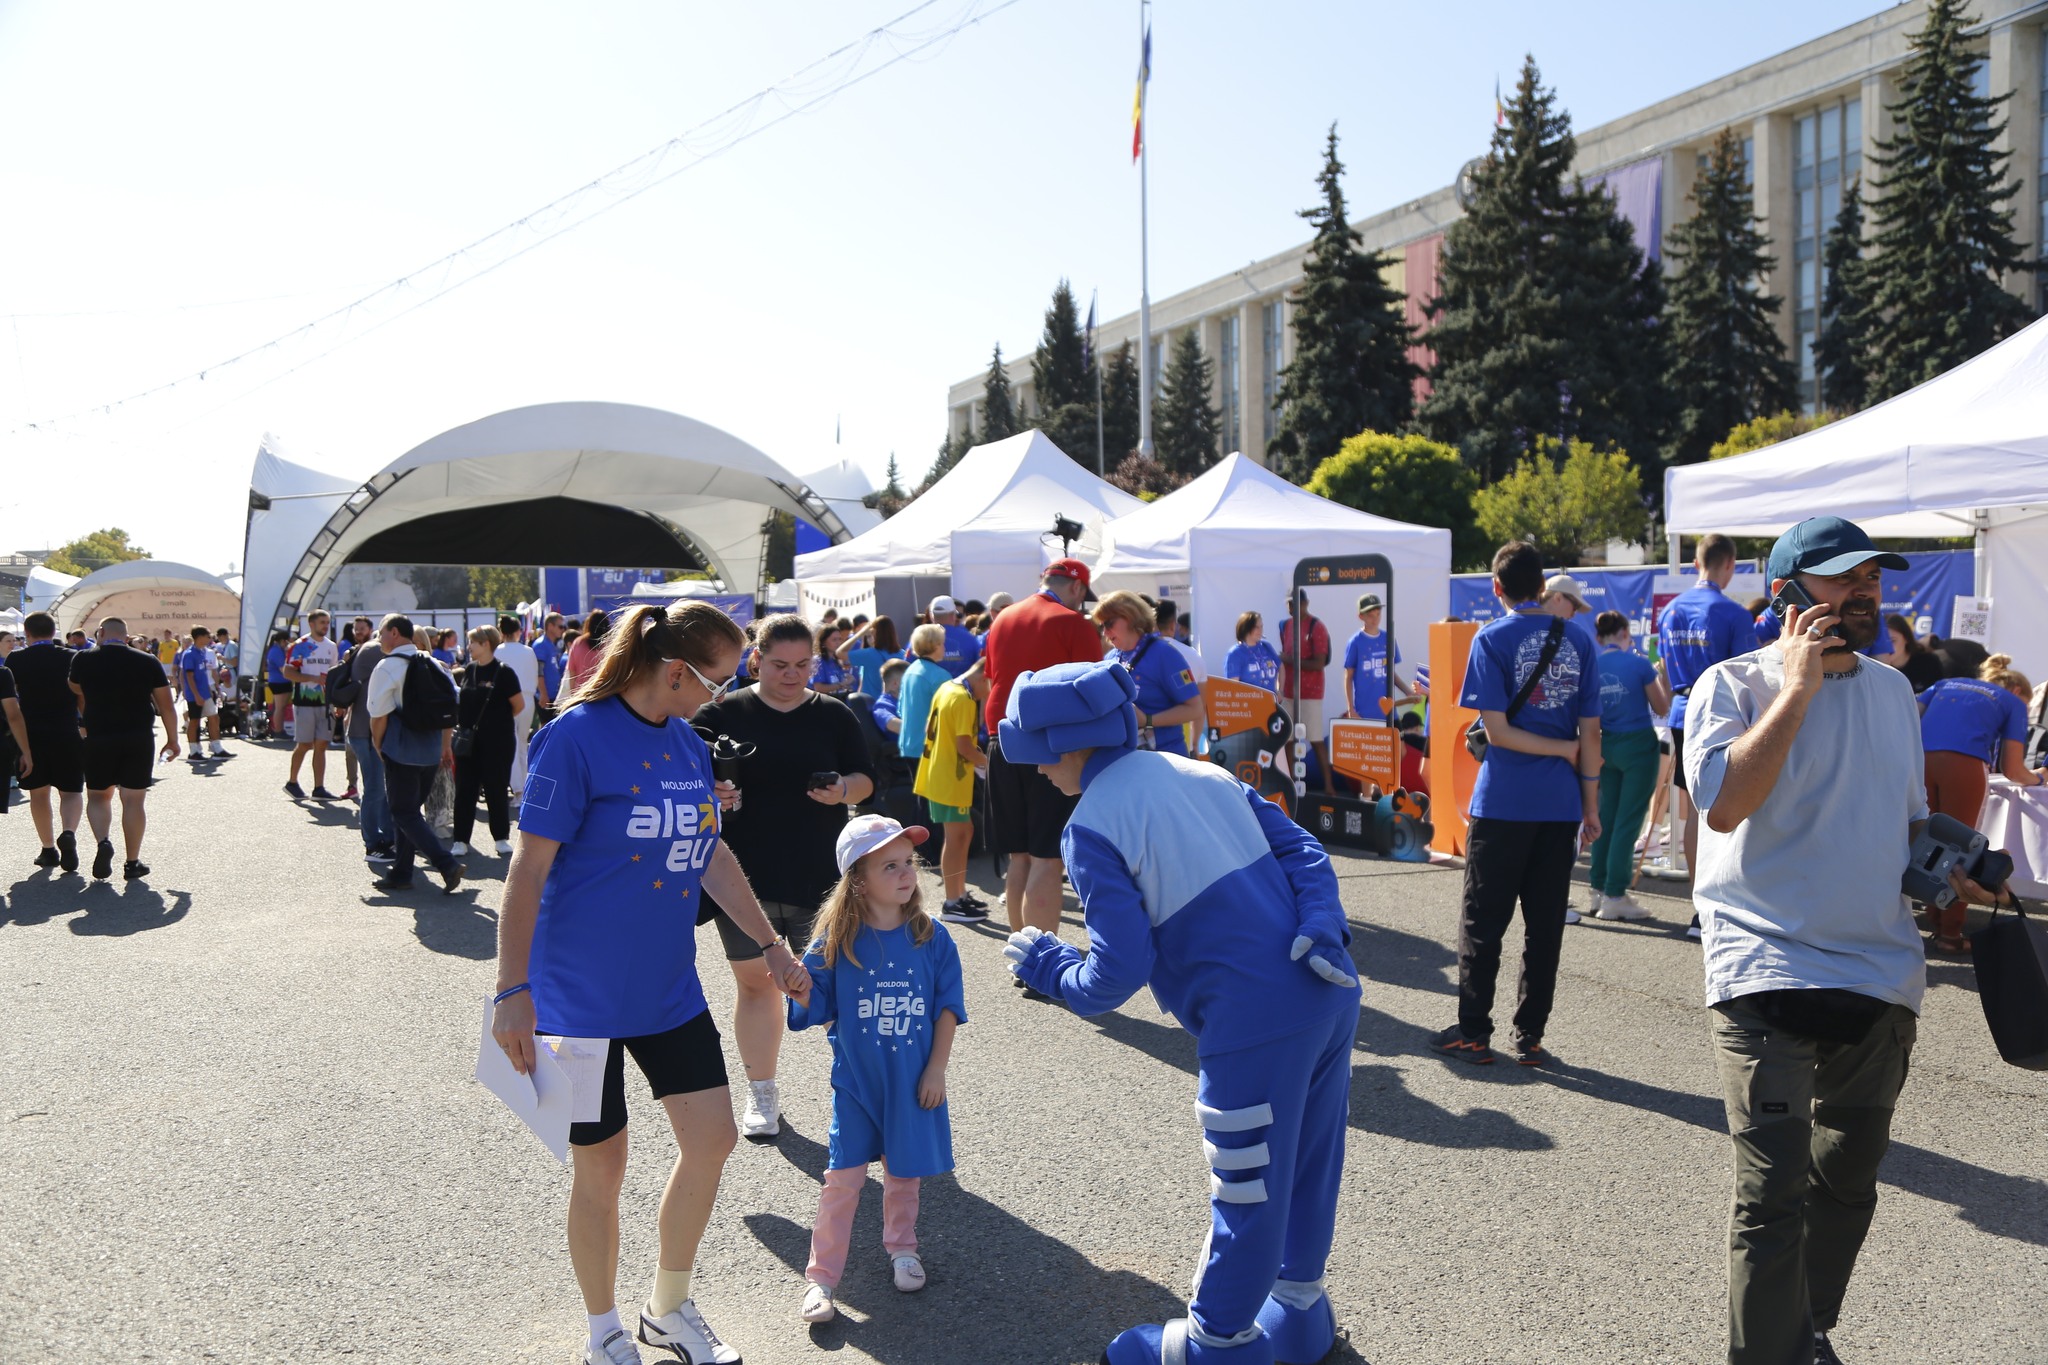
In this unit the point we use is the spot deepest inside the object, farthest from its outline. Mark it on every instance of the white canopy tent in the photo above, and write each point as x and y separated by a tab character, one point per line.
45	585
288	504
151	596
843	486
1234	536
1965	453
985	527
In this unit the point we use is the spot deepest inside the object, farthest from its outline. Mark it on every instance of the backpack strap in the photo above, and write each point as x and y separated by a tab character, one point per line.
1551	643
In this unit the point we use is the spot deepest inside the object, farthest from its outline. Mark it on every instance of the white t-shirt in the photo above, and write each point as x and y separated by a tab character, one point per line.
1196	668
525	666
1805	892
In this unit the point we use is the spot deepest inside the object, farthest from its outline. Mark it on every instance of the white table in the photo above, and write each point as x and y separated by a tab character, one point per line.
2015	819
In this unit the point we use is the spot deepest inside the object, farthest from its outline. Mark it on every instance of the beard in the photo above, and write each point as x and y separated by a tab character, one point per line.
1860	625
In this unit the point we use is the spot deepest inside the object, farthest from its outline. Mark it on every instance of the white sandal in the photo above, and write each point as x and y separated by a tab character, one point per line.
909	1273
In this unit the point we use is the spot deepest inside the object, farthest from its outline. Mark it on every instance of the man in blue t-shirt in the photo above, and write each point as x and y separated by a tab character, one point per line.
1532	806
1698	629
553	657
962	648
1367	669
195	685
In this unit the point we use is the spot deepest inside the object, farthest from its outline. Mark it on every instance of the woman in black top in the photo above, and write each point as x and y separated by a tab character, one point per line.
486	705
1910	656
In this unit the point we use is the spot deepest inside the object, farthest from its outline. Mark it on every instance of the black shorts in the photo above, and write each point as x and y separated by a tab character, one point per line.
283	689
126	761
793	922
1027	812
682	1061
1678	758
59	761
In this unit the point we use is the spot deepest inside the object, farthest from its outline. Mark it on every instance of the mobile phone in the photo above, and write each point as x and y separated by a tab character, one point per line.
1791	600
820	781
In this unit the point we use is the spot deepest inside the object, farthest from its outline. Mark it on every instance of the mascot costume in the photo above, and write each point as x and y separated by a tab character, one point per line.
1194	884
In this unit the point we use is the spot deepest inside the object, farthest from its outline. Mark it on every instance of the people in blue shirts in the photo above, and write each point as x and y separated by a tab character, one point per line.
196	685
277	686
1168	695
828	674
1968	728
921	681
963	647
597	939
884	980
1632	690
871	645
1251	659
553	657
1368	671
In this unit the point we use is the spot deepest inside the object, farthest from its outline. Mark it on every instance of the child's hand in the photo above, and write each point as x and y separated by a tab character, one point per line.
798	985
931	1086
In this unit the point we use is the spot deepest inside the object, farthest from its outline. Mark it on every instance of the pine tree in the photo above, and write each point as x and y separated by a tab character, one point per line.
1728	364
891	498
1546	321
1842	353
1059	369
1185	425
950	451
1350	371
1944	225
999	415
1120	406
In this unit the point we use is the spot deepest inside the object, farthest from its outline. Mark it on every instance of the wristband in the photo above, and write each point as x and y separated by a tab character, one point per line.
502	996
777	942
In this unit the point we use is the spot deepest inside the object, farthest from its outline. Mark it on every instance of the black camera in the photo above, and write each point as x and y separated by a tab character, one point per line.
1945	844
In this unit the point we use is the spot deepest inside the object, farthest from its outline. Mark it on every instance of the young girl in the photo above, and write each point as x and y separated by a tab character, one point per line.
886	979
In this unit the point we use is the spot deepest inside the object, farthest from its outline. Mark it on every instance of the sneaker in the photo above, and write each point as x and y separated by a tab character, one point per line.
1824	1351
351	794
973	900
1016	980
686	1334
909	1272
382	853
389	883
1623	906
451	877
617	1348
195	757
220	751
1031	994
67	851
103	861
47	858
1572	916
294	791
961	912
763	1118
1693	930
1533	1053
817	1305
1670	867
133	870
322	794
504	848
458	850
1452	1042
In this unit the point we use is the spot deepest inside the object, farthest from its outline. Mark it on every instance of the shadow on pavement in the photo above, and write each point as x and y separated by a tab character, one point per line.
113	911
455	925
41	896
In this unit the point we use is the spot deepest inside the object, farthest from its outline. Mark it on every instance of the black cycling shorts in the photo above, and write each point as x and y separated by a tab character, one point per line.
682	1061
793	922
1678	759
1027	812
59	761
125	761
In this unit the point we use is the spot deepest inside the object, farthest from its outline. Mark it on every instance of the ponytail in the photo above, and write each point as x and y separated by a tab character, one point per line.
1998	671
647	637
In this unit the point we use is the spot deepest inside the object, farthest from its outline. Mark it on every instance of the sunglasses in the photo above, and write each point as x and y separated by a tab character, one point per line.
716	690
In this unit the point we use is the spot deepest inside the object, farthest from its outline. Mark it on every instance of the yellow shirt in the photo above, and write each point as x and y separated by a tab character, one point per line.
943	775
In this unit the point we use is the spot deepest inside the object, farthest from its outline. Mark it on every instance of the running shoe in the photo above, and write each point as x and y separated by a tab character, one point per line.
817	1305
1572	916
195	758
67	851
390	883
1693	930
1824	1350
451	878
133	870
1452	1042
1533	1053
459	849
47	858
220	751
962	912
103	860
686	1334
382	853
909	1272
1623	906
763	1118
617	1348
294	791
322	794
504	848
973	900
351	794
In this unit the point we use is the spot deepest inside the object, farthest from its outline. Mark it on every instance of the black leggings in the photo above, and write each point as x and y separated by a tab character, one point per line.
488	770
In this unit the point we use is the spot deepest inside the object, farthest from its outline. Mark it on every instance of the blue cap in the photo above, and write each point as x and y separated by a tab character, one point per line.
1824	546
1066	707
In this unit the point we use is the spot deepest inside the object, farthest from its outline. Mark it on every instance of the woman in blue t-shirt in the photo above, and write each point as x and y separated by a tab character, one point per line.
276	685
1168	695
828	674
1632	690
618	845
1251	659
1968	726
867	649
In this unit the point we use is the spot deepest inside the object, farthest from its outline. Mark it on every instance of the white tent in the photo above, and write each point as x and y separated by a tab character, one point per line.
44	587
288	504
1965	453
1234	536
151	596
985	526
843	486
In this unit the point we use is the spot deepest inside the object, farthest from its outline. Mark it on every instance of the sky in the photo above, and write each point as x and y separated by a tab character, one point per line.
185	183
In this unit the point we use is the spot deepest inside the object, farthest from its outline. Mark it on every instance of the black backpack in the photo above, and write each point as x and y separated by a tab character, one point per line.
427	701
342	688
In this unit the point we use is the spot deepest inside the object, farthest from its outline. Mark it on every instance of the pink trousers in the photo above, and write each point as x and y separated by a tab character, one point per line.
834	1228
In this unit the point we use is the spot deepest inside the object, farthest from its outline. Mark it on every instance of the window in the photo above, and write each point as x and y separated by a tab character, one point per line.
1272	342
1227	380
1827	154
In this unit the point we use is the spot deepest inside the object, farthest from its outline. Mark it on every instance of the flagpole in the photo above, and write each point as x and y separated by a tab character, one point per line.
1144	263
1095	361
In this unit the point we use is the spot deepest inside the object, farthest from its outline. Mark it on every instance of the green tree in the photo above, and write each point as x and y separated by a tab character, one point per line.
778	551
1547	319
1727	361
1120	406
1408	478
1059	368
890	498
1848	331
1563	506
1759	432
95	551
1944	236
502	587
435	586
950	451
1350	371
999	414
1186	426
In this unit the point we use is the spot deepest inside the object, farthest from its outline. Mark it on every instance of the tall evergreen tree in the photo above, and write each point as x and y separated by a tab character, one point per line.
1546	321
1944	236
1059	368
950	451
1350	371
999	415
1727	361
1842	353
1120	405
1186	425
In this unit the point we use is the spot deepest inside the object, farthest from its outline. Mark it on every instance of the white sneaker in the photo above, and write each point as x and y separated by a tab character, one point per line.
1623	906
458	849
686	1334
817	1305
1572	916
504	848
763	1118
1593	900
617	1348
909	1273
1670	868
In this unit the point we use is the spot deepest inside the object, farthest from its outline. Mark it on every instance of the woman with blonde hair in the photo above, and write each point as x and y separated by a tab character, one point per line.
1968	727
618	844
920	684
1168	695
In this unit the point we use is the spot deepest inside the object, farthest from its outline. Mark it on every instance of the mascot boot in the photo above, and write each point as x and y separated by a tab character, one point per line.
1180	1342
1299	1321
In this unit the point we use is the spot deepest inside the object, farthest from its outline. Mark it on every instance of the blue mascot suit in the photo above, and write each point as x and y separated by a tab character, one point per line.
1196	885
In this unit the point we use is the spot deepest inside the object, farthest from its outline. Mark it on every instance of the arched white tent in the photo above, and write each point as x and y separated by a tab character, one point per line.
151	595
45	586
288	504
1234	536
984	527
588	483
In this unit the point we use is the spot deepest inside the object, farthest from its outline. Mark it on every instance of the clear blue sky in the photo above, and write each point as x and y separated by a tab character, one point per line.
184	182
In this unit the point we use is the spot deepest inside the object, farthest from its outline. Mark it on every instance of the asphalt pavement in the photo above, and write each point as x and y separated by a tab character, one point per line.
237	1123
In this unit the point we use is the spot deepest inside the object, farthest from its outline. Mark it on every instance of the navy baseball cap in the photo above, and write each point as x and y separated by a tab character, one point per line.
1825	546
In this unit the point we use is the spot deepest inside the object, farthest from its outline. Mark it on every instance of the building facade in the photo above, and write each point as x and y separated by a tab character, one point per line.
1810	119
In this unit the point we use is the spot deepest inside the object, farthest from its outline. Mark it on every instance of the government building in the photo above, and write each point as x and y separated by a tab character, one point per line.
1809	120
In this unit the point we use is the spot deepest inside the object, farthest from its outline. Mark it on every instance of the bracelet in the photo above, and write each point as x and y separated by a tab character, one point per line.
502	996
777	942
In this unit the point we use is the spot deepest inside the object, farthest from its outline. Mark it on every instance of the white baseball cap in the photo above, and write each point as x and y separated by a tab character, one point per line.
944	606
865	833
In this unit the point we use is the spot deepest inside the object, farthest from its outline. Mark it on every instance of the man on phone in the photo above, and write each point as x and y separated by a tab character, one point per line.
1804	760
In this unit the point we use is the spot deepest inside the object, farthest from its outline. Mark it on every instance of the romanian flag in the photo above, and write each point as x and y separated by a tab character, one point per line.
1138	99
1500	111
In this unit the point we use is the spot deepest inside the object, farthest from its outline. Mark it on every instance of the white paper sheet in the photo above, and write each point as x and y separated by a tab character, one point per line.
542	1100
582	1061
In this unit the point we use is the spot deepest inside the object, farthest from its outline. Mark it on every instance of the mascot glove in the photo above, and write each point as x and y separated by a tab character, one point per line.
1038	959
1325	953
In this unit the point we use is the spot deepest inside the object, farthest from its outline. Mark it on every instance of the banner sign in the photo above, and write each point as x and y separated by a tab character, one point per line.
1368	752
1248	734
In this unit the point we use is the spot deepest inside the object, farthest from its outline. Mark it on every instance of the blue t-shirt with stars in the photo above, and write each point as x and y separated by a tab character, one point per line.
881	1011
630	802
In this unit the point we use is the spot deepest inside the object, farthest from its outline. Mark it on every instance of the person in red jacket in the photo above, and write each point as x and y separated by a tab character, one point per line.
1029	813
